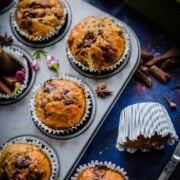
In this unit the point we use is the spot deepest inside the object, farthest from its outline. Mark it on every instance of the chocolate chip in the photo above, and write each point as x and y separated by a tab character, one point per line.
34	175
27	19
18	176
69	101
48	87
89	39
22	162
99	172
100	32
108	53
64	91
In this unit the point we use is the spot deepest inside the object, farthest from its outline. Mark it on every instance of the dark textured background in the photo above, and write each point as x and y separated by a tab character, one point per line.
139	166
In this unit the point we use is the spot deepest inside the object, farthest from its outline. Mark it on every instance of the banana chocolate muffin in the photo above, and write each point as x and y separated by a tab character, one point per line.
37	19
96	43
24	161
100	172
60	103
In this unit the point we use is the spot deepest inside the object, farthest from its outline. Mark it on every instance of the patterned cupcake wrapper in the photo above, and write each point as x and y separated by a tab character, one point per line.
145	119
39	39
18	56
46	149
111	68
109	165
67	131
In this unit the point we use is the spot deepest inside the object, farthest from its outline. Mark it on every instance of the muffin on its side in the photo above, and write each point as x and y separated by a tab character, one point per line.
100	172
97	43
145	126
38	19
24	161
60	103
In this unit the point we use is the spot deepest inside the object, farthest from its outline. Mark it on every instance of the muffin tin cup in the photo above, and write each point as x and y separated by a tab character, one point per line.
67	132
46	149
145	119
51	38
18	56
107	71
109	165
7	7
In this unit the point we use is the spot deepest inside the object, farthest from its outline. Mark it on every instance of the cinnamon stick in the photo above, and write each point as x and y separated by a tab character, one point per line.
9	80
146	55
169	63
159	74
171	53
144	78
144	69
5	89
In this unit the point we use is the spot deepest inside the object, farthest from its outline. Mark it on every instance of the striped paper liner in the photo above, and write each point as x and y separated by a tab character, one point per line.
145	119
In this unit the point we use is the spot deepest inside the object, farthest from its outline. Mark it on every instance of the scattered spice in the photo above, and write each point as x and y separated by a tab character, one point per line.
171	53
5	40
171	104
144	78
102	90
159	74
157	66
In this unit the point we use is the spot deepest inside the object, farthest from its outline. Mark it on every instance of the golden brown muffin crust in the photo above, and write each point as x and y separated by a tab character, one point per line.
24	162
60	103
99	172
38	18
96	42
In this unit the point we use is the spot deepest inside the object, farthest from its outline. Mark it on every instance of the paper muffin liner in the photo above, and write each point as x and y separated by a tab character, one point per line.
145	119
67	131
111	68
39	39
46	149
109	165
18	56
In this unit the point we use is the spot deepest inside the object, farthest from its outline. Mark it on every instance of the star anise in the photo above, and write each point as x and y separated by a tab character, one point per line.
5	40
102	90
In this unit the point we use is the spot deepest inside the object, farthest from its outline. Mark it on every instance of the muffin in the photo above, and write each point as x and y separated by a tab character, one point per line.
145	126
60	103
24	161
97	44
39	20
14	69
99	170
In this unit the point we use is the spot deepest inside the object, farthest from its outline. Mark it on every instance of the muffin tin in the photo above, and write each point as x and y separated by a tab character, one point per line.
16	119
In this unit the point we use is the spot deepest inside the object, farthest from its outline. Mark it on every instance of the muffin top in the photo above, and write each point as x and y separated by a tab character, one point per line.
96	42
39	18
100	172
60	103
24	161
